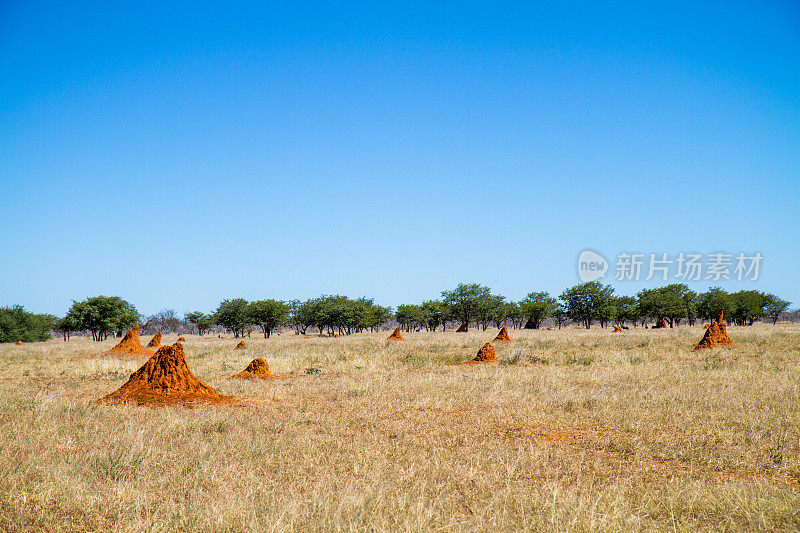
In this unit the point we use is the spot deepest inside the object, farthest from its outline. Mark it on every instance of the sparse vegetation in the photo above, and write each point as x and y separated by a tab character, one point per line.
628	431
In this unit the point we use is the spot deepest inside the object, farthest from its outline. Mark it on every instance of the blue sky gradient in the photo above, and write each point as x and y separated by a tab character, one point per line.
179	154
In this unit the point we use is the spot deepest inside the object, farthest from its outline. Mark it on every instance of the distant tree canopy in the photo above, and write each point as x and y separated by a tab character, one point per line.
268	314
102	316
672	302
233	315
470	302
165	320
587	302
536	307
16	324
201	321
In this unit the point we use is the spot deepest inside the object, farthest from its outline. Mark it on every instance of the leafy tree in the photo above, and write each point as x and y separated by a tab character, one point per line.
514	314
690	301
774	306
16	324
199	320
586	302
467	301
560	315
103	315
712	302
410	317
627	310
268	314
536	307
747	306
66	325
434	313
667	302
232	315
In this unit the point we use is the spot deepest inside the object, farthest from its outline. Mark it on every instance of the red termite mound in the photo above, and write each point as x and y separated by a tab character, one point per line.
240	346
662	323
503	335
130	345
462	328
257	369
395	336
716	335
20	343
155	342
485	355
165	379
617	329
181	339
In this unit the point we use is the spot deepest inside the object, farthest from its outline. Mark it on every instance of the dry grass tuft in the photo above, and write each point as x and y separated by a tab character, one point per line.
573	430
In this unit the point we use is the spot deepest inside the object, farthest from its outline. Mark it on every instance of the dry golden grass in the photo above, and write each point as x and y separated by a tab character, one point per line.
575	430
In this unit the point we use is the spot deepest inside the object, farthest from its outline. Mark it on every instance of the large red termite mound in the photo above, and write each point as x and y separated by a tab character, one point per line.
165	379
716	335
485	355
240	346
503	335
155	342
396	336
462	328
130	345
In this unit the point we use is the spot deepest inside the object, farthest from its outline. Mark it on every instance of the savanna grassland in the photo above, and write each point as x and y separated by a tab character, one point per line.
573	430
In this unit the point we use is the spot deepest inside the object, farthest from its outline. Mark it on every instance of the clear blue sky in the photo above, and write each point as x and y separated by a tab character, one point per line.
176	154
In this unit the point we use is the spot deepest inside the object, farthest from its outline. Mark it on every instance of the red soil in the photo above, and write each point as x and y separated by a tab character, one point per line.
131	345
462	328
503	335
396	336
165	379
716	335
240	346
155	342
485	355
257	369
662	323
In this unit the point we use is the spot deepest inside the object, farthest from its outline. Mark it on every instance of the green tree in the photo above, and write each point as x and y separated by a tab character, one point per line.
774	306
103	315
268	314
467	301
410	317
748	306
232	315
627	309
16	324
587	302
199	320
667	302
536	307
712	302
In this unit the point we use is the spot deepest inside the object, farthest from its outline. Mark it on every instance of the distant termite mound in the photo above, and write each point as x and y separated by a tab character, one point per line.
716	335
165	379
155	342
257	369
462	328
240	346
617	329
662	323
20	343
485	355
181	339
130	345
503	335
395	336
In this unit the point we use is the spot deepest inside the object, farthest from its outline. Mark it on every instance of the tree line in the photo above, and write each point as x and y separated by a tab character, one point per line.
471	304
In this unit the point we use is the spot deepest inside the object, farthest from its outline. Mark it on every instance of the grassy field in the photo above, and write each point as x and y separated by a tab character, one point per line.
574	430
